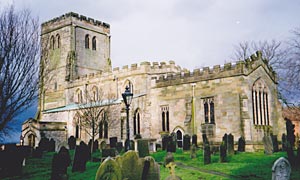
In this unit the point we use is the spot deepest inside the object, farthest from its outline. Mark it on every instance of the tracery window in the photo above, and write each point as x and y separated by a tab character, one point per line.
94	43
136	122
209	110
165	118
260	103
87	41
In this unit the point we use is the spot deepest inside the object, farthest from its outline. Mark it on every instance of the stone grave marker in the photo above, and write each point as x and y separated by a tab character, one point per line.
103	145
193	151
113	142
171	167
186	142
275	143
268	146
143	147
206	153
225	140
108	152
60	163
281	169
223	152
82	155
241	144
72	142
169	158
230	144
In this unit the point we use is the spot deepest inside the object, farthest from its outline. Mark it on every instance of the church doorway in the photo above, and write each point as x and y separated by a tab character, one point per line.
179	137
31	140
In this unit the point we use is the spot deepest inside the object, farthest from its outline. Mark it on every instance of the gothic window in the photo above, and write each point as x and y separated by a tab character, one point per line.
103	126
94	43
260	103
58	41
179	138
209	110
95	94
165	118
87	41
78	96
52	42
76	125
136	122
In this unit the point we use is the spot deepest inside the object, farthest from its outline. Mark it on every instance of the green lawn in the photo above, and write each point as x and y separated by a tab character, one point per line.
240	166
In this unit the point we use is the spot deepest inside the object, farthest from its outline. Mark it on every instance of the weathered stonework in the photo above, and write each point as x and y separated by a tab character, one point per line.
161	90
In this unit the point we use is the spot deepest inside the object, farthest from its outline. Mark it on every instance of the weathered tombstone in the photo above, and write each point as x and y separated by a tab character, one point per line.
60	163
109	169
241	144
275	143
131	166
171	146
113	142
268	146
171	166
151	169
108	153
230	144
194	139
225	140
119	146
165	142
72	142
186	142
82	155
283	142
223	152
143	147
206	153
281	169
51	145
103	145
169	158
193	151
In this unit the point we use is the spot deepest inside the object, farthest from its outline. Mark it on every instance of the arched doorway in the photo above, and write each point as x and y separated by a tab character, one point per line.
179	137
31	140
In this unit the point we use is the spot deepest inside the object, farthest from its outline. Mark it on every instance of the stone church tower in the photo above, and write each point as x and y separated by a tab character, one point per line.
238	98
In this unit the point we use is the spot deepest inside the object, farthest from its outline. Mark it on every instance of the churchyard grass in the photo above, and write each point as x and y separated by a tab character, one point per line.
244	165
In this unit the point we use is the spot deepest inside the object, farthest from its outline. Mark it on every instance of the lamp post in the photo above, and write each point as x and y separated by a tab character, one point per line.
127	97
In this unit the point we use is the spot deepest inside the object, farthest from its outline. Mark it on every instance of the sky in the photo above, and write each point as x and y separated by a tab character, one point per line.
193	33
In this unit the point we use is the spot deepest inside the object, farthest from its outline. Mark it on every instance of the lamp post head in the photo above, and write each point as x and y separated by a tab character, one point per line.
127	96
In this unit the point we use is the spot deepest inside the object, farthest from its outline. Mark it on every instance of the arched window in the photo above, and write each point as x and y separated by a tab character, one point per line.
136	122
179	138
87	41
209	110
58	41
95	93
260	103
103	125
94	43
165	118
31	140
52	42
79	98
76	125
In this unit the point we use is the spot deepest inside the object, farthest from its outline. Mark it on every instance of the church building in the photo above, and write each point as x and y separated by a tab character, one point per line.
77	78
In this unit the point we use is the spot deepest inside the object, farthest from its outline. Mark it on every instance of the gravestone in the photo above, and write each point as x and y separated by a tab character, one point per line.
109	170
275	143
72	142
171	167
230	144
103	145
60	163
206	153
143	147
95	145
268	146
169	158
165	142
171	147
119	147
108	153
186	142
51	145
281	169
193	151
82	155
194	140
283	142
223	152
225	140
241	144
113	142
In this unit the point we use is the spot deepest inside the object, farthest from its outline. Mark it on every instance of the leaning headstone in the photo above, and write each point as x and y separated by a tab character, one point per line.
194	139
193	151
268	146
82	155
113	142
241	144
72	142
169	158
283	142
171	167
143	147
275	143
223	152
186	142
206	153
109	169
281	169
230	144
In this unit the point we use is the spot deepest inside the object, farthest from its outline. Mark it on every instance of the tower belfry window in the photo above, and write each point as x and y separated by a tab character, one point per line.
58	41
165	118
87	41
94	43
52	42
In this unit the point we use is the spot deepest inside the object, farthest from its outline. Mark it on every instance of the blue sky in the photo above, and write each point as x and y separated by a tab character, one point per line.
193	33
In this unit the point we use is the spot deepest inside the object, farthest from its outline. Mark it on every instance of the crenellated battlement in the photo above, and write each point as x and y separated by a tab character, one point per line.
242	67
78	17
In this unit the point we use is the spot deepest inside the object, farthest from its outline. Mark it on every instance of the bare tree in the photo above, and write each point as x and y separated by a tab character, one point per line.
19	60
97	114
